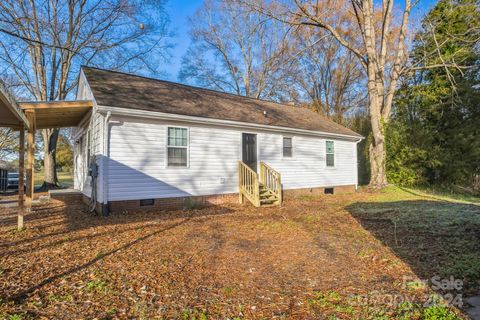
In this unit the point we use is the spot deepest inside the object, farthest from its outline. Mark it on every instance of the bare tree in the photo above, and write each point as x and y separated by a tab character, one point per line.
380	46
8	142
43	43
235	50
325	75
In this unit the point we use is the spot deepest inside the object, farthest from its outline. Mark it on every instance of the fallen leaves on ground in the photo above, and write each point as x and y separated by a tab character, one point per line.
309	259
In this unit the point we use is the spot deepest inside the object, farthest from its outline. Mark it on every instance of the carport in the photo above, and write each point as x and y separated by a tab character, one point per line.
29	116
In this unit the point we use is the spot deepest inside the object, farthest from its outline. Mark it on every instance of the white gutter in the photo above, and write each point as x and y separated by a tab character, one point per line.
356	163
78	133
106	158
228	123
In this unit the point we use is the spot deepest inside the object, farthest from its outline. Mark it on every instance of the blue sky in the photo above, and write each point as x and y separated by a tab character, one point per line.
180	10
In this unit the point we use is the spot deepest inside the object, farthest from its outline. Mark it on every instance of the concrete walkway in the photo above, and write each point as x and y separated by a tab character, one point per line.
474	311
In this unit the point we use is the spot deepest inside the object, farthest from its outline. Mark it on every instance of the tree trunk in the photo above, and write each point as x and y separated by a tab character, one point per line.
50	137
378	173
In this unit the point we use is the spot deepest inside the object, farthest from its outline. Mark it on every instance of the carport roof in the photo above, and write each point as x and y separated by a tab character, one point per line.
58	114
46	114
10	113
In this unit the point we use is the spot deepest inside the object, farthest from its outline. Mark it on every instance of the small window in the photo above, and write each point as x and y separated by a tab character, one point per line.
287	147
147	202
328	191
330	159
177	147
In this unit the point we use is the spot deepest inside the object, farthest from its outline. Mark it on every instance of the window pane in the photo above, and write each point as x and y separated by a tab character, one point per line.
177	137
330	147
177	157
287	151
171	136
287	147
330	160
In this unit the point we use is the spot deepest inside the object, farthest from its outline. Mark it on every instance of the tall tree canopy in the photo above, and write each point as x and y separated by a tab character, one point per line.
379	45
64	153
43	43
435	133
8	142
324	75
236	50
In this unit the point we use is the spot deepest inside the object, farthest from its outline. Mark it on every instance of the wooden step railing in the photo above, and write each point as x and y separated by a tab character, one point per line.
271	179
248	184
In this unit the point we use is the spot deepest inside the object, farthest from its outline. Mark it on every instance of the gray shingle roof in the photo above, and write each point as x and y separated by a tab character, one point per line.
122	90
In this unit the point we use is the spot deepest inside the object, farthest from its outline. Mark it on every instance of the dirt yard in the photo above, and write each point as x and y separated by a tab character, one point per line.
351	256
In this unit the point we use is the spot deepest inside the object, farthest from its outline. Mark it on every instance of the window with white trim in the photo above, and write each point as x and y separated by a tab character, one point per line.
287	147
177	147
330	153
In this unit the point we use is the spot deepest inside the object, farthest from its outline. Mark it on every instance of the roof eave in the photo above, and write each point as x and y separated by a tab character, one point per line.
204	120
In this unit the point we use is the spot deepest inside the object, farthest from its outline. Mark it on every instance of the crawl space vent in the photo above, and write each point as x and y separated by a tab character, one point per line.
146	202
328	191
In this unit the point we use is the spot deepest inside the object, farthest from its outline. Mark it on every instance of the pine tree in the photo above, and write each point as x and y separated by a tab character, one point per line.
435	134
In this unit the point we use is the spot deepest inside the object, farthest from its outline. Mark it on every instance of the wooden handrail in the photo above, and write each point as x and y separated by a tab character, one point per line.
248	184
271	179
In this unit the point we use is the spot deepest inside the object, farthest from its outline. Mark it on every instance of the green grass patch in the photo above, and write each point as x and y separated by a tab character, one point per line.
393	193
60	298
64	178
194	314
464	266
228	290
439	312
96	286
331	301
445	194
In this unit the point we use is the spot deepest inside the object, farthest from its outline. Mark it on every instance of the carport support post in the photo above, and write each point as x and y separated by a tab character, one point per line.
21	161
30	160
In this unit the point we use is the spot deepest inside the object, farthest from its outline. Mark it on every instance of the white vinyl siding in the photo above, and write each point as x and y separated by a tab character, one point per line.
89	144
138	157
307	169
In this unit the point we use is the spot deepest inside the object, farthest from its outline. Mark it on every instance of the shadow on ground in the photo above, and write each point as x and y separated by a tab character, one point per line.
435	238
71	225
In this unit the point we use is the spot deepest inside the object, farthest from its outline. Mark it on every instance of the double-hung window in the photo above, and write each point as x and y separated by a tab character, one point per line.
177	147
287	147
330	154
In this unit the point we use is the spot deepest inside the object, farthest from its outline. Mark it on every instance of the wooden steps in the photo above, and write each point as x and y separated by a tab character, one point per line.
261	190
267	197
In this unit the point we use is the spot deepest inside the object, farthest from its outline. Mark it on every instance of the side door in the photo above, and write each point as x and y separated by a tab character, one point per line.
249	150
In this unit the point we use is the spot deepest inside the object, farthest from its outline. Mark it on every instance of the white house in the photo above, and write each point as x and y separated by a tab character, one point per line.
163	144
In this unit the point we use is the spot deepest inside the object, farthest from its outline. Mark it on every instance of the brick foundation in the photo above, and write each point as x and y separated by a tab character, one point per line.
294	193
174	203
204	201
72	197
86	204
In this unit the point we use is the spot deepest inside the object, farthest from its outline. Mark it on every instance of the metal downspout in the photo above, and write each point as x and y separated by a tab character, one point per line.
106	157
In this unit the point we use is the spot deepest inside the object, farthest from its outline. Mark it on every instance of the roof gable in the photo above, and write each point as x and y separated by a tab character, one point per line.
122	90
